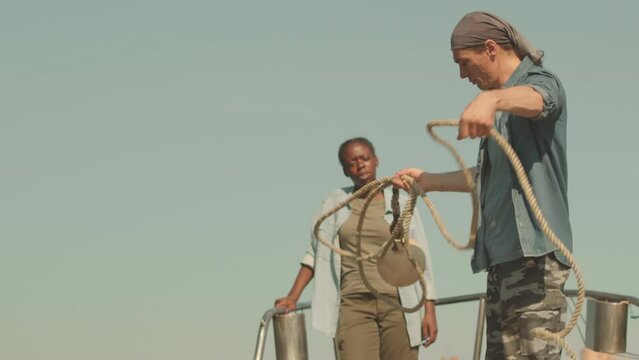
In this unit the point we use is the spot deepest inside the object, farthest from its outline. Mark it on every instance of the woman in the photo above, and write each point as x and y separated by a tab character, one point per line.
363	326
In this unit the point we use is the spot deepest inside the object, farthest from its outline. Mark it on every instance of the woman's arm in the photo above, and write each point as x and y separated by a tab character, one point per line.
304	276
429	324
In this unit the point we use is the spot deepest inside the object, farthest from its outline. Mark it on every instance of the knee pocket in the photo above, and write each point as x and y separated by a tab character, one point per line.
548	319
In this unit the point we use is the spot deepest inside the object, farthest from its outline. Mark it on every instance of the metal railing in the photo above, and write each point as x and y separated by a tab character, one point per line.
481	315
264	323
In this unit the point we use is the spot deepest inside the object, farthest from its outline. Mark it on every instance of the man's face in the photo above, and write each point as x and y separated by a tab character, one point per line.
478	66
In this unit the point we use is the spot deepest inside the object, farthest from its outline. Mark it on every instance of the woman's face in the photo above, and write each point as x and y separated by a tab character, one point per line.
360	164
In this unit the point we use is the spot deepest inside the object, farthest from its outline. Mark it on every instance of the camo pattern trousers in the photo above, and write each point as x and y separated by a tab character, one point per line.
523	295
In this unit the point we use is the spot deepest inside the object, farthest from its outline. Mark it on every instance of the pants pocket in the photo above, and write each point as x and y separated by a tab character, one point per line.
550	320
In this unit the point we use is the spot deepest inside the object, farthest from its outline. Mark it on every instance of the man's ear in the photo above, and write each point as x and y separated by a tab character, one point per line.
345	173
490	47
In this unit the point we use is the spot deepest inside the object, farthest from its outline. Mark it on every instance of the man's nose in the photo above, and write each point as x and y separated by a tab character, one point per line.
462	73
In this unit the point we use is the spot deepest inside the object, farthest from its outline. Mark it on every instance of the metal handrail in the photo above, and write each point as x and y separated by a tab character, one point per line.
481	316
266	320
570	293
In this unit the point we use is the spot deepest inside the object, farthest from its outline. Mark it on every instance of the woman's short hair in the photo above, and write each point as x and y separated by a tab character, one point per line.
356	140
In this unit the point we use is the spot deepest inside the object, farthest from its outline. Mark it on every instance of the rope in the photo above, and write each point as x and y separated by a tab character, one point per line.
404	241
405	218
370	190
395	208
468	177
543	224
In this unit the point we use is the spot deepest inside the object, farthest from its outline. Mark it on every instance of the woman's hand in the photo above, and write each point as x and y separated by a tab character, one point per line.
429	325
289	303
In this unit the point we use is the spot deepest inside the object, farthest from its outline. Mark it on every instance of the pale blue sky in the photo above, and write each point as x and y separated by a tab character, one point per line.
161	161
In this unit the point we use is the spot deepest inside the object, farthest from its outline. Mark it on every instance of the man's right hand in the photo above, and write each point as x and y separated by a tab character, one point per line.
417	174
478	117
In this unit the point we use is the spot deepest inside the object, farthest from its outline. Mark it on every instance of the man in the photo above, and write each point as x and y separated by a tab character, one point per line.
526	104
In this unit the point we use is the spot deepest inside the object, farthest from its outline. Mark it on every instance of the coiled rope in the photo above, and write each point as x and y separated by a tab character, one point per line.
372	188
558	337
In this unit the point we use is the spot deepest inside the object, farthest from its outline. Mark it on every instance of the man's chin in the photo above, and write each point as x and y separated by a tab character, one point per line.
485	87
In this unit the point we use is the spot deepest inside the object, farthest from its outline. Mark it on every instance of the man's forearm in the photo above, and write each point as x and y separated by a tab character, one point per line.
522	101
451	181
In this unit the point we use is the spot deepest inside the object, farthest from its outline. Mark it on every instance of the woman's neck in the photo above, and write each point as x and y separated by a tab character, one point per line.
379	195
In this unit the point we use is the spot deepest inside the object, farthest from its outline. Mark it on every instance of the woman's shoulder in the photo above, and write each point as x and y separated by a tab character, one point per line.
341	192
337	195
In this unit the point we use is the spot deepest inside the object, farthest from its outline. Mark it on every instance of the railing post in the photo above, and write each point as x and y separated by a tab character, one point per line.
479	331
289	331
264	323
606	326
263	330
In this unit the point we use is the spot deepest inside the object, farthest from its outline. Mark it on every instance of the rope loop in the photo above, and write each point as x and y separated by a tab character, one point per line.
559	337
401	233
398	234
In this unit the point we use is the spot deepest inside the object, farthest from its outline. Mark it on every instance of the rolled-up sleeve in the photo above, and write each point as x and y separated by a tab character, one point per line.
311	251
309	256
547	85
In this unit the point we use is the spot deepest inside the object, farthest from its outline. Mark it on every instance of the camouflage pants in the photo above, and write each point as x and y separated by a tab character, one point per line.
522	295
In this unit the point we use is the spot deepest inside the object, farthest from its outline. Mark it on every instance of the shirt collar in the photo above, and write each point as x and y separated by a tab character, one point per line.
521	70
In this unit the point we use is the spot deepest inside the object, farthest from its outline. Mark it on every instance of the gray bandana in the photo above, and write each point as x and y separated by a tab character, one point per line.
476	27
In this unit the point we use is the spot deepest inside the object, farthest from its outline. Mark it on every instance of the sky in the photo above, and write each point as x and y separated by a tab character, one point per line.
162	161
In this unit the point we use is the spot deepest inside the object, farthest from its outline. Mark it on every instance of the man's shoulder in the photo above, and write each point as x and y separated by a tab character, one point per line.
537	73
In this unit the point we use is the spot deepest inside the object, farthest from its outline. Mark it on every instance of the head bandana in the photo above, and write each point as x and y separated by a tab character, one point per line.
477	27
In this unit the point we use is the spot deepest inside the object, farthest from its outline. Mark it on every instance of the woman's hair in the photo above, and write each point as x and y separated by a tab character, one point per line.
357	140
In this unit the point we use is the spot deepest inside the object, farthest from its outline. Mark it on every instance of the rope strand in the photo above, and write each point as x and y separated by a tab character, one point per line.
543	224
400	234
